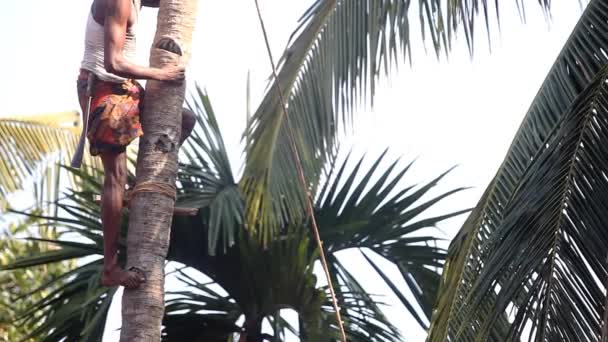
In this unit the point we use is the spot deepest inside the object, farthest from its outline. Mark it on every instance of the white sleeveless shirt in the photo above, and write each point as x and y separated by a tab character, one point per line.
94	47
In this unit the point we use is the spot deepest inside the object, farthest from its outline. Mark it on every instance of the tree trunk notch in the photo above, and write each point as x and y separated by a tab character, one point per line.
151	214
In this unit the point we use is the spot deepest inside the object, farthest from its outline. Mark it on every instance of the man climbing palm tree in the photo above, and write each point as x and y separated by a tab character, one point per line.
114	103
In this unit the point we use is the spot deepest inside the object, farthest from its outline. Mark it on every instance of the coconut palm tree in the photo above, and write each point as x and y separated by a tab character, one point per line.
530	261
148	240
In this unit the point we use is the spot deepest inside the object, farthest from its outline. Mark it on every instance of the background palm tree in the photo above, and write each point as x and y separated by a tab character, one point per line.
35	143
534	247
32	146
18	284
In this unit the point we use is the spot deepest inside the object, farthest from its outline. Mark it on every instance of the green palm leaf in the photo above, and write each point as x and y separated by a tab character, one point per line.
331	65
76	305
28	142
18	284
581	58
380	218
207	180
199	313
361	312
553	235
25	141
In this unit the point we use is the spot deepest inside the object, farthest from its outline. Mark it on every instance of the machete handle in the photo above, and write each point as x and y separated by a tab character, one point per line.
79	153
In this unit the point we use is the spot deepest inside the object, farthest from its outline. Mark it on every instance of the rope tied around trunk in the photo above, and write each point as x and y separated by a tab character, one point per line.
166	189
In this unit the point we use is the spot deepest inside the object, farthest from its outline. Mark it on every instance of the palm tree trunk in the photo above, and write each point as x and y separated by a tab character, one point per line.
253	330
151	212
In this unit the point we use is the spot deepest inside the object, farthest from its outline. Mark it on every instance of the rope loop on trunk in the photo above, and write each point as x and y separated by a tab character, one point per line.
166	189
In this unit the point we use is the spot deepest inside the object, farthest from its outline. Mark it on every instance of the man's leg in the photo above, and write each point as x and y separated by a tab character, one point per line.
188	122
115	173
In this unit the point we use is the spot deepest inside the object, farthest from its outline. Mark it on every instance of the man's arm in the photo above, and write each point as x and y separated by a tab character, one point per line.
115	26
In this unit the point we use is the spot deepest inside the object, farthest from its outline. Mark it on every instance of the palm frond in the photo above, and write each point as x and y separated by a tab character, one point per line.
371	210
27	141
18	284
77	310
553	234
199	313
207	180
361	312
280	325
581	58
332	64
76	306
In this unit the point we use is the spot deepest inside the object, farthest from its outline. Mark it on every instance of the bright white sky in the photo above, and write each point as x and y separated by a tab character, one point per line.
458	112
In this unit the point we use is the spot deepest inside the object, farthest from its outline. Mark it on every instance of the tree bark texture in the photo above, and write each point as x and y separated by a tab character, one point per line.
151	212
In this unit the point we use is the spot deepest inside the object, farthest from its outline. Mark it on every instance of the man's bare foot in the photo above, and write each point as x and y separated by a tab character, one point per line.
117	277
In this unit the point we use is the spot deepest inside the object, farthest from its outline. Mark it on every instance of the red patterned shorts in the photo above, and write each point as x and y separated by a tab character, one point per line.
114	117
